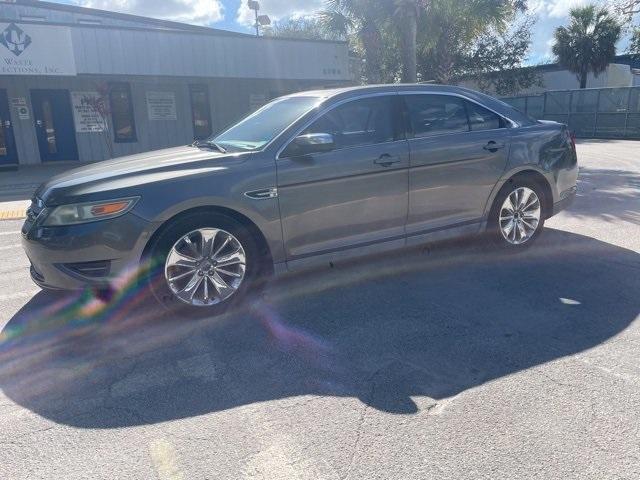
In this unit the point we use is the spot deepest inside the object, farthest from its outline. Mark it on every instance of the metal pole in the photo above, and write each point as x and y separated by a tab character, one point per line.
257	30
595	119
626	117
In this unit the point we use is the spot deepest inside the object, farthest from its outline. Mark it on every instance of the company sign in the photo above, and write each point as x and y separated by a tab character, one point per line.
86	118
161	106
27	49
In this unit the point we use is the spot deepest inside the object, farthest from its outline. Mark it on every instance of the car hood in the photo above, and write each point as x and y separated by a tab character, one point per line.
129	171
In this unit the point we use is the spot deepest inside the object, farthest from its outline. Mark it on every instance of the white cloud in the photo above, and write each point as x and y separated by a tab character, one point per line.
278	9
557	8
201	12
561	8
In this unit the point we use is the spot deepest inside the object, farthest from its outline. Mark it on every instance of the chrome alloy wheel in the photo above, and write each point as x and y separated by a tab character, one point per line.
205	267
520	215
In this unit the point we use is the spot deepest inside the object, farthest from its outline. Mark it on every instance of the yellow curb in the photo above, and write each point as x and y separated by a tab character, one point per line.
16	214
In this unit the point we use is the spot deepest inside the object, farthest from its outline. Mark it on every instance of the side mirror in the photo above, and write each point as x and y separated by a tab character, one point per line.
310	143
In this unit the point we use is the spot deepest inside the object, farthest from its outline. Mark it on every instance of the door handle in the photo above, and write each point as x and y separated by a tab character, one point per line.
493	146
386	160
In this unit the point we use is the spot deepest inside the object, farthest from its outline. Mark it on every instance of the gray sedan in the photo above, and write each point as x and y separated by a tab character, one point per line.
307	179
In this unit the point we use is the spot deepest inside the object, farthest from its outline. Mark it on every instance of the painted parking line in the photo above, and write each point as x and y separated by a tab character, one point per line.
15	214
14	232
165	460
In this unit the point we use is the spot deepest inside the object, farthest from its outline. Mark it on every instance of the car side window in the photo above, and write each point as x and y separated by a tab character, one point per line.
436	114
482	119
361	122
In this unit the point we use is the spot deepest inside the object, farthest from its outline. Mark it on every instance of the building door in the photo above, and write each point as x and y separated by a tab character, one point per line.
8	154
54	125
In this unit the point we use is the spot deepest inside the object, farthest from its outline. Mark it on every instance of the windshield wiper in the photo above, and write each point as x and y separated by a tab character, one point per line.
209	144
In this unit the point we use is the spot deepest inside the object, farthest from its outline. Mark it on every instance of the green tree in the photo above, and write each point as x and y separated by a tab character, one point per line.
495	61
453	28
410	40
301	27
588	43
634	44
628	7
407	14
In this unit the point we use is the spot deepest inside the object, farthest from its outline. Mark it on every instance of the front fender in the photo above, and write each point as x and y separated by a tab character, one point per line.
226	190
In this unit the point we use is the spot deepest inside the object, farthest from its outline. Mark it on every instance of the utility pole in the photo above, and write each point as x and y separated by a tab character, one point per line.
261	20
255	6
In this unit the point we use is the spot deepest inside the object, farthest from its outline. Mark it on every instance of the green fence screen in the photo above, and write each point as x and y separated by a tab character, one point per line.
590	113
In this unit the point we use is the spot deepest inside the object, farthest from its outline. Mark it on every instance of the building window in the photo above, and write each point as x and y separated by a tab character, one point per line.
200	111
124	125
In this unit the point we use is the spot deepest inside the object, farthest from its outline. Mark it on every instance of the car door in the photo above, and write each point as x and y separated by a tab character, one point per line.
356	193
459	150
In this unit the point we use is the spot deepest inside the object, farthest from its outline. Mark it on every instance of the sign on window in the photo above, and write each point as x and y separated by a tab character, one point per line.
86	118
161	106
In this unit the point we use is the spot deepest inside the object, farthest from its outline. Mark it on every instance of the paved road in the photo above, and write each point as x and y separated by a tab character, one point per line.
447	363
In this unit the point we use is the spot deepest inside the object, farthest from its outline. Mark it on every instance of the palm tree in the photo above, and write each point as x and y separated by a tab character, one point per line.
364	18
588	44
406	14
452	26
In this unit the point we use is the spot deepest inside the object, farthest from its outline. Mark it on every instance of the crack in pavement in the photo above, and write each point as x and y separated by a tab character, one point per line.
362	418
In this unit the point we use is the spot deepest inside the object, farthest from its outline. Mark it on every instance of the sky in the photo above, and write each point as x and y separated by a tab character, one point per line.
235	15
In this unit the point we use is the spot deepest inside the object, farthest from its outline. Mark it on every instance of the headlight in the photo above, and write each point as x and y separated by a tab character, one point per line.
88	212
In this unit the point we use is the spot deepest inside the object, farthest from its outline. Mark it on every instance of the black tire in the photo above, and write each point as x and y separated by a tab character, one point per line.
158	250
494	232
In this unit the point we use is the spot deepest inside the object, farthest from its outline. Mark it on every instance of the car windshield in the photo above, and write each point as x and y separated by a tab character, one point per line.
259	128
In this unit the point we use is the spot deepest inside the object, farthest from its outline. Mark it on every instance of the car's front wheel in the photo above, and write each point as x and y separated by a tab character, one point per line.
204	263
517	216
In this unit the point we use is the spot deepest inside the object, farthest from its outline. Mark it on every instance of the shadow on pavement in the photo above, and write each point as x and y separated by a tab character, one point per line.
607	194
418	323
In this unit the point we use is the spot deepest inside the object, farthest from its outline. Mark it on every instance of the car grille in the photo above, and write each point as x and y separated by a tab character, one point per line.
90	269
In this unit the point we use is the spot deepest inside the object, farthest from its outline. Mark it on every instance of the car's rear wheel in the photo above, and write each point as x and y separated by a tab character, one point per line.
517	216
204	264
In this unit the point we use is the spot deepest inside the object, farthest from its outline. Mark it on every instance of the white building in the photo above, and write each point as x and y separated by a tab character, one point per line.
164	83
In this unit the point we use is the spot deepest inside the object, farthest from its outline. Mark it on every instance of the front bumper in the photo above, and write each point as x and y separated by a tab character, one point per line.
56	253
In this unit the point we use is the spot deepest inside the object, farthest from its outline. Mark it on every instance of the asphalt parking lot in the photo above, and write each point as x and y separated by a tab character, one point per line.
448	362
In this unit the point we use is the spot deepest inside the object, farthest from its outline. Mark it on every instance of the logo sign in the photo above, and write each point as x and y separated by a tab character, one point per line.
15	39
36	50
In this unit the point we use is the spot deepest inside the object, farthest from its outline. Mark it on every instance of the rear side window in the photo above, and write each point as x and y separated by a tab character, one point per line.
436	114
361	122
482	119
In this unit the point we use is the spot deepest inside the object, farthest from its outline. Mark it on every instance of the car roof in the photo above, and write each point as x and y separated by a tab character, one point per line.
335	94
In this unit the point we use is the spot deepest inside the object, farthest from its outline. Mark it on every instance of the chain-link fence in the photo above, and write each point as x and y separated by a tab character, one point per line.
590	113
